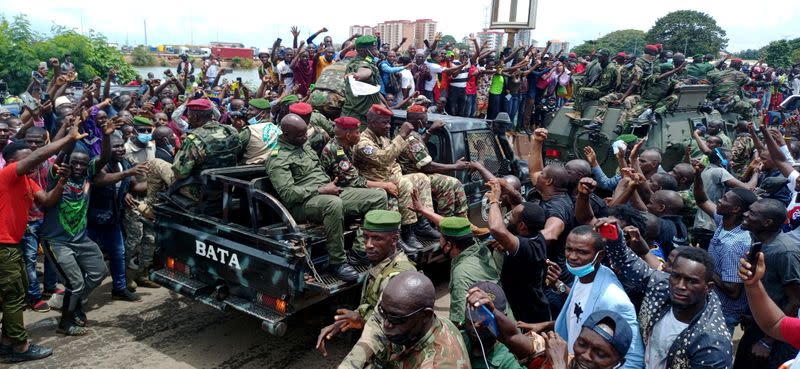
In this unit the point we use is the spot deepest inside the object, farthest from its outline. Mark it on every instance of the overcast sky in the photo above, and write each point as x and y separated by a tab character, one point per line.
180	22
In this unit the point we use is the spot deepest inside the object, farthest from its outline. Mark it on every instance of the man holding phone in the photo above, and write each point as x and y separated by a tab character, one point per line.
781	280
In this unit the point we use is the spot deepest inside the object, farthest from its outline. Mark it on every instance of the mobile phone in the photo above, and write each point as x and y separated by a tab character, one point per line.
752	258
485	317
608	231
239	79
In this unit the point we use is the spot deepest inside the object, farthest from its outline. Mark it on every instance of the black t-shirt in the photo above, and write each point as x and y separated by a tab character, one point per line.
164	155
523	277
561	207
673	233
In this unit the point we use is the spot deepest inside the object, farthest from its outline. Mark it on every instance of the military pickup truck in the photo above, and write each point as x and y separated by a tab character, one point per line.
247	253
670	132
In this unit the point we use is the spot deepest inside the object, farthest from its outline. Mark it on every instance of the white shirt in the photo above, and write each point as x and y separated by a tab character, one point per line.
407	81
796	86
435	69
664	334
576	311
284	69
460	76
211	72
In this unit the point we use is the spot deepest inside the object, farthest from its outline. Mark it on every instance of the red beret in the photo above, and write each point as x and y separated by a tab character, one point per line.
621	54
300	108
736	60
200	104
347	122
381	110
350	54
651	48
573	55
416	108
659	46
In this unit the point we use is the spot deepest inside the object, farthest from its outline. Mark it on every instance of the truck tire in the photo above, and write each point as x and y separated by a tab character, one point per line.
597	140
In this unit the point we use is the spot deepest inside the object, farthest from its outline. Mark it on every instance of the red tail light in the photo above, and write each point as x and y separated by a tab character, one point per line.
552	153
273	302
175	265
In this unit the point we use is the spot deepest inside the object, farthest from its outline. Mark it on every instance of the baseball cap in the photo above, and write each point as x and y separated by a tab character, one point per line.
623	335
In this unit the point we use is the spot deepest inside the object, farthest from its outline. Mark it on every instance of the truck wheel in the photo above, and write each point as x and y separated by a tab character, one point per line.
597	140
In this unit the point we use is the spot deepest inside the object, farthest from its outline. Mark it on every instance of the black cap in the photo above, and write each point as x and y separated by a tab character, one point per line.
623	335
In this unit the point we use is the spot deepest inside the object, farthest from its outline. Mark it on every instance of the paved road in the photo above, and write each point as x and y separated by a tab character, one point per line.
166	330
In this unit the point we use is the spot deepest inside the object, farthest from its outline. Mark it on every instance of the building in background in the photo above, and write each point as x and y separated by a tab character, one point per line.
493	39
425	29
394	31
362	30
558	45
524	38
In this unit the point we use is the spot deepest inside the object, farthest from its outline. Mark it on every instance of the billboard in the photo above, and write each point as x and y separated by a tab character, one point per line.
513	14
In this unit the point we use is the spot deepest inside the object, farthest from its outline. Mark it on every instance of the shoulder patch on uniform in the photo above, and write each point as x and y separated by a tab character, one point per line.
368	150
416	147
191	136
275	152
344	165
340	151
392	274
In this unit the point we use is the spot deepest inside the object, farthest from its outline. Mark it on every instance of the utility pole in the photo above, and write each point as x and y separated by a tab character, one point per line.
685	46
145	34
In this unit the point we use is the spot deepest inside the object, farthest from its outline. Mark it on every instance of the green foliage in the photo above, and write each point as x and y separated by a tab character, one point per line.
446	39
688	31
142	57
236	62
749	54
627	40
247	63
21	50
782	53
461	46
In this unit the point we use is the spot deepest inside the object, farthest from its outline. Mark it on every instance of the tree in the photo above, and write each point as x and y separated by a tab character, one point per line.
140	56
627	40
749	54
782	53
446	39
688	31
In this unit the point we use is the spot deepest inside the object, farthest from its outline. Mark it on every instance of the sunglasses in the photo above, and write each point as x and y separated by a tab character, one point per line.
400	319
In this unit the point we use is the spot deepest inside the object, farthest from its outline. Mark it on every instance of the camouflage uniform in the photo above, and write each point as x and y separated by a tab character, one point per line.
329	89
447	191
627	76
699	71
474	264
741	154
256	141
726	85
372	340
648	68
139	236
212	145
594	90
689	206
655	94
357	106
337	162
376	159
296	175
319	120
441	347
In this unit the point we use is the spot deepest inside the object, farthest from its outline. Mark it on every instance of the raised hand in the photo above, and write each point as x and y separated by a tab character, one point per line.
586	186
540	134
591	156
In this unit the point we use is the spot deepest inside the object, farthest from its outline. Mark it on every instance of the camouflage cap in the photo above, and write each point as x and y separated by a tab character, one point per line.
259	103
382	221
142	121
603	52
366	41
455	226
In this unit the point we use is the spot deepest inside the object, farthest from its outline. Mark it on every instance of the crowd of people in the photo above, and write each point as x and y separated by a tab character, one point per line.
647	268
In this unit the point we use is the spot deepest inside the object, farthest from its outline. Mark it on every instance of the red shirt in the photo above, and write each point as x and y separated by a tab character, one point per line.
472	80
16	197
790	330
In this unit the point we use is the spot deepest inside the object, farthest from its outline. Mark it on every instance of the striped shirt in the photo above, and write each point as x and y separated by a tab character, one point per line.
726	248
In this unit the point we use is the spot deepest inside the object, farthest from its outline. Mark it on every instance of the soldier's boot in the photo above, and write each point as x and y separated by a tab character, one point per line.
357	258
402	245
343	271
576	115
423	230
130	275
408	237
144	281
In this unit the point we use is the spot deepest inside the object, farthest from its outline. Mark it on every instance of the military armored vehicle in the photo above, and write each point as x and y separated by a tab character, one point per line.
670	132
247	253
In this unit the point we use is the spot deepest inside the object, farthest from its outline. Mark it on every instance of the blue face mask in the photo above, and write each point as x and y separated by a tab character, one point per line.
583	271
252	120
144	137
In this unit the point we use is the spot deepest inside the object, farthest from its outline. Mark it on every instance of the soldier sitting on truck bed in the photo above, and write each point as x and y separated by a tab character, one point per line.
376	155
596	85
626	94
260	135
656	93
381	230
301	183
447	191
209	145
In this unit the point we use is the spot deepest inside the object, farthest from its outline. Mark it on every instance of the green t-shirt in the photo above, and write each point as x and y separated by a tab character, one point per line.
496	86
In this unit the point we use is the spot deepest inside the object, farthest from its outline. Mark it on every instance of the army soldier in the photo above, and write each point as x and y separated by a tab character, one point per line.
381	229
727	83
209	145
446	190
301	183
317	131
260	136
363	69
375	156
595	88
471	262
656	92
698	70
648	62
417	337
626	94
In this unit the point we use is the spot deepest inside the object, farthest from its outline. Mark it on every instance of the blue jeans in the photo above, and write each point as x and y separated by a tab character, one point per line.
30	253
512	106
109	238
469	106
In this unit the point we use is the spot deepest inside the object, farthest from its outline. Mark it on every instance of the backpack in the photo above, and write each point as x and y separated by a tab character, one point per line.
328	95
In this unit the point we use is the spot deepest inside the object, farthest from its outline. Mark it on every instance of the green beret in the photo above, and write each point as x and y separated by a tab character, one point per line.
667	66
262	104
455	226
382	221
142	121
603	52
290	99
627	138
366	40
698	56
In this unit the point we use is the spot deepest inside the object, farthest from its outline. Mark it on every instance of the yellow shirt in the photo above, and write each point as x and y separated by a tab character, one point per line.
322	63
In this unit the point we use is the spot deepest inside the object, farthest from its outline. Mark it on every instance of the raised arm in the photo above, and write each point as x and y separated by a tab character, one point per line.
37	157
701	143
634	273
402	42
535	161
700	197
766	313
776	154
583	209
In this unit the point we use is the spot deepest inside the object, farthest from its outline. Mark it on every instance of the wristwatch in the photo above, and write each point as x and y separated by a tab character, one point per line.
561	287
